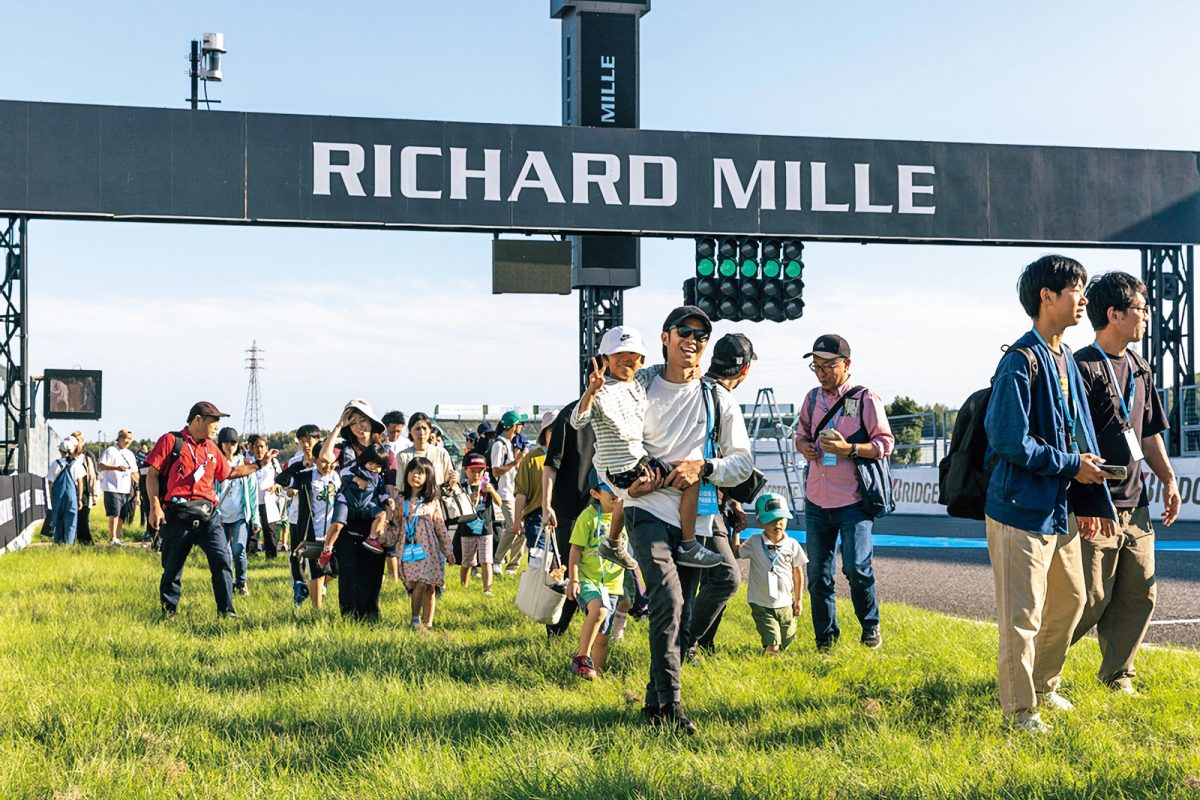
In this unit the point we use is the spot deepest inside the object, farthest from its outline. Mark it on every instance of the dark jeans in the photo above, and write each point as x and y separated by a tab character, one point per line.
360	577
562	538
178	539
711	591
83	526
654	543
269	534
824	525
531	525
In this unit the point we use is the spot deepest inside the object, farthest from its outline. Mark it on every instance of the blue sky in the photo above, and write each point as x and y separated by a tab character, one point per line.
167	311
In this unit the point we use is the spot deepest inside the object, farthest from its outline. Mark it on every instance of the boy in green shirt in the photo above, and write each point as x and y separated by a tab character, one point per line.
594	583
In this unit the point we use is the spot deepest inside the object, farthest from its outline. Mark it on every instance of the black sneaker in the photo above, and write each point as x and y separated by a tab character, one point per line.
652	714
692	655
672	716
241	588
825	645
168	612
872	638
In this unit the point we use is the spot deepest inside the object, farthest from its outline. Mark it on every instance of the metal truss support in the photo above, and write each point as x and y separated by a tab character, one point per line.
601	308
14	345
1169	342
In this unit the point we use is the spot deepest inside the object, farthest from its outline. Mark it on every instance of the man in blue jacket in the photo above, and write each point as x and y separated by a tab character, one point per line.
1039	430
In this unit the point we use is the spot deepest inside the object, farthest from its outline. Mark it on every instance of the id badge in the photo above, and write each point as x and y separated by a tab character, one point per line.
198	475
851	407
828	460
707	504
475	526
776	585
1134	444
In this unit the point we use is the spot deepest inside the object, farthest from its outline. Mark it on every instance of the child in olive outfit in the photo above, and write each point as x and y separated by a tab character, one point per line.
594	582
776	583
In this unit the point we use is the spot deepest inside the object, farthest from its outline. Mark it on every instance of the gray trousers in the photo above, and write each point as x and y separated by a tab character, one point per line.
654	543
1118	575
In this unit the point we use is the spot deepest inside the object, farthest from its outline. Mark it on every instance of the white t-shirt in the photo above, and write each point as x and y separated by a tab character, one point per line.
112	480
439	456
675	431
400	445
501	454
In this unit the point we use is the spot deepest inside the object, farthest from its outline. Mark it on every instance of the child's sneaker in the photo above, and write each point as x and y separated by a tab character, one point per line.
487	592
372	543
299	593
583	667
324	559
694	554
618	554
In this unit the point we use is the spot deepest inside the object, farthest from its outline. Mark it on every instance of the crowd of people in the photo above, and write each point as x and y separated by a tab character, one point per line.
641	486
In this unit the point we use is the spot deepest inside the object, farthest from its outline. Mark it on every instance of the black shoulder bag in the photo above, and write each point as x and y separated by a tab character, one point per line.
747	490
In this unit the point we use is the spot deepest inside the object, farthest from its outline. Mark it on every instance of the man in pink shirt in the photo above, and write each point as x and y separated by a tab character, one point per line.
838	423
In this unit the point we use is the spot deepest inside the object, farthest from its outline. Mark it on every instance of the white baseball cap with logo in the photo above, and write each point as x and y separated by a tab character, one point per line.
622	339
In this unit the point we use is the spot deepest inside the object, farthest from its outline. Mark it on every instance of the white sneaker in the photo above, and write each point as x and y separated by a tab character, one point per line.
116	543
1032	724
487	593
1055	701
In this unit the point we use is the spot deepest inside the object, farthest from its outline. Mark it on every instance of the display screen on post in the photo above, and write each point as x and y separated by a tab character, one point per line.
72	393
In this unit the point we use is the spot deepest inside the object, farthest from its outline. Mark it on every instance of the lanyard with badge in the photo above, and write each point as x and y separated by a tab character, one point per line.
1067	386
829	459
475	526
198	474
413	550
1126	401
707	504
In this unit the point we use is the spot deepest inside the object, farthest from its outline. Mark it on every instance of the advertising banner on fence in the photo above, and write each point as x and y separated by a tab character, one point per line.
916	490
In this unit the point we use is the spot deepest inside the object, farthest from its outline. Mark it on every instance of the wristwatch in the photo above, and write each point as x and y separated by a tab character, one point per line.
707	469
854	451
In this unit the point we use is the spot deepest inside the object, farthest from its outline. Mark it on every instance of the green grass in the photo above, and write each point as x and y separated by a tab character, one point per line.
102	700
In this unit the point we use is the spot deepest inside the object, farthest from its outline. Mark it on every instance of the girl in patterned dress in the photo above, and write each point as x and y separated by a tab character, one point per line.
423	534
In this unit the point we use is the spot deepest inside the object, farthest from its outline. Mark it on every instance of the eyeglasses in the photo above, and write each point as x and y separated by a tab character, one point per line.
686	331
815	367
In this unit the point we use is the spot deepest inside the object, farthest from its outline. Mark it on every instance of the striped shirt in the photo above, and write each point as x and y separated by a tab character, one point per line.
617	415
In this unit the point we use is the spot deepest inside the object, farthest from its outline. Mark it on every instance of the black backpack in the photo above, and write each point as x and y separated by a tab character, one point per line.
168	462
963	475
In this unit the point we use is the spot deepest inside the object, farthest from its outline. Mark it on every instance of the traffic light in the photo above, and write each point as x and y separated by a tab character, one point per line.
704	293
793	279
749	282
728	303
771	303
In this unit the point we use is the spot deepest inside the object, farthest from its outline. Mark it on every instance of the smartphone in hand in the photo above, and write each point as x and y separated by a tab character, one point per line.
1113	472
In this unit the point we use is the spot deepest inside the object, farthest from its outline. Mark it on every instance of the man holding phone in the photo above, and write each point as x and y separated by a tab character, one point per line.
1047	469
1128	415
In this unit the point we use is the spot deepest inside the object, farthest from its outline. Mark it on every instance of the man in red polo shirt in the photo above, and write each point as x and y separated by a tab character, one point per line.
186	515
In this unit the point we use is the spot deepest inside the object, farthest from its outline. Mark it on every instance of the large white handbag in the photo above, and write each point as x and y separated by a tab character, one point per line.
535	598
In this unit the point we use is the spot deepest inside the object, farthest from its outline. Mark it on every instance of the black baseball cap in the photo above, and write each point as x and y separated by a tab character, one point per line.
205	409
830	345
227	435
678	315
731	353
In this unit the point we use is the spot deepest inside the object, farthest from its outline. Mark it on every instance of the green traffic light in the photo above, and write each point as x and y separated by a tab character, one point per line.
728	267
771	268
705	267
794	268
749	268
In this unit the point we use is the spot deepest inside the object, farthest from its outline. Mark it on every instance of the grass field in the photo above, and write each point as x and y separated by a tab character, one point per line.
102	700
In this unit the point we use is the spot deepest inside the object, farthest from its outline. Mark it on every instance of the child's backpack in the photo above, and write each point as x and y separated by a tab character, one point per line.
963	475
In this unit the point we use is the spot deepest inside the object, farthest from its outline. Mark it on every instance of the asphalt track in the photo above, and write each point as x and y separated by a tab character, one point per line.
954	576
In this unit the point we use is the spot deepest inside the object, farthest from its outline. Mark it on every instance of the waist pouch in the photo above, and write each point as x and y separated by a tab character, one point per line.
191	513
656	468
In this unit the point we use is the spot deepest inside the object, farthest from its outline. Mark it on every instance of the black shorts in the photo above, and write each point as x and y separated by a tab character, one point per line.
115	503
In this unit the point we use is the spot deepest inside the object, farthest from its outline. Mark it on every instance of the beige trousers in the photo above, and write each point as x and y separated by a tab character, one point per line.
1039	598
510	548
1118	573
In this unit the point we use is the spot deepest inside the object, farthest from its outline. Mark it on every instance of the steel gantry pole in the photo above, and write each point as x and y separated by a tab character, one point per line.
1169	343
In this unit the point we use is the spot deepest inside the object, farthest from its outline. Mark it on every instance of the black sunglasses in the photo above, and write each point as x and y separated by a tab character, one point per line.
685	331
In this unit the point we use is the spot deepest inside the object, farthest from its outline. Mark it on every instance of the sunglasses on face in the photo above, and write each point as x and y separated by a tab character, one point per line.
686	331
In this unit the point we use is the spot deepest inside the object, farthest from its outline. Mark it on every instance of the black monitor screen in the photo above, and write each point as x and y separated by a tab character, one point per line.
72	393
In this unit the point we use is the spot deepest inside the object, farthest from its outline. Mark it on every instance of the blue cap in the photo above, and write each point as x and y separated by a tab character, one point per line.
484	427
594	482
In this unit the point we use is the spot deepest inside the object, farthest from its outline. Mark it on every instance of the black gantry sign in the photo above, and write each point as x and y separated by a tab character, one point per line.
111	162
